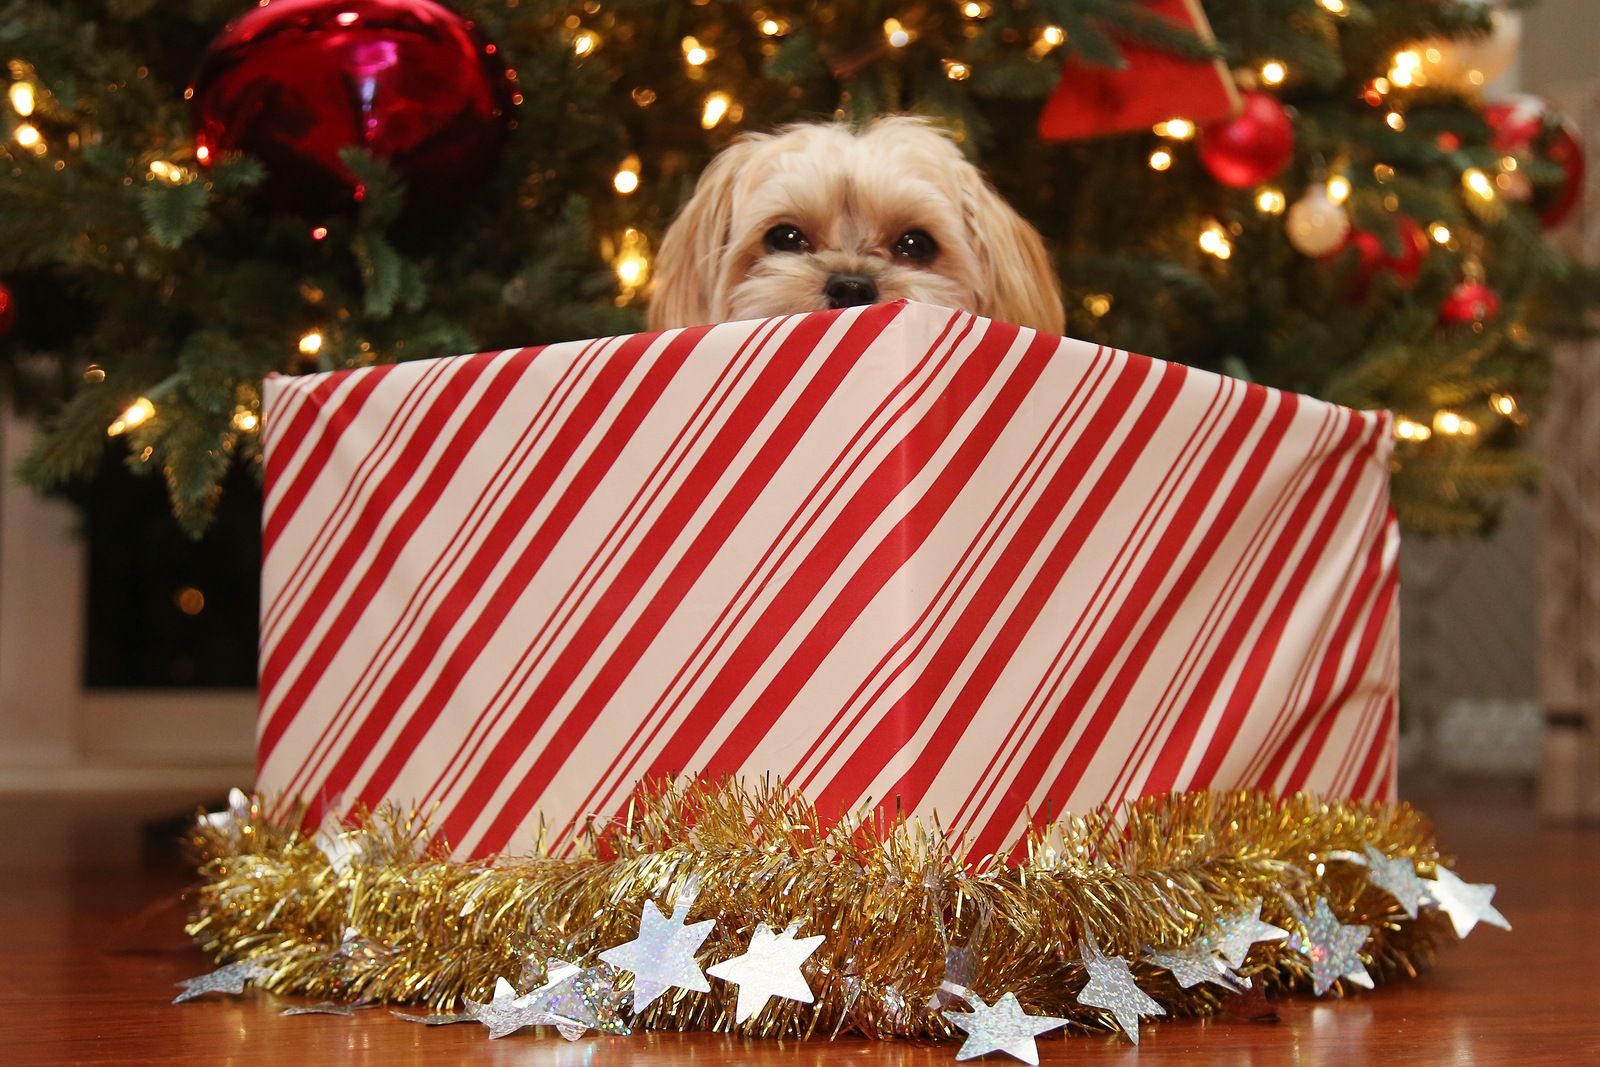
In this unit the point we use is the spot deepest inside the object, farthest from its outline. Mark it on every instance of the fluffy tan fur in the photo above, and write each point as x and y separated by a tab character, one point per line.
853	193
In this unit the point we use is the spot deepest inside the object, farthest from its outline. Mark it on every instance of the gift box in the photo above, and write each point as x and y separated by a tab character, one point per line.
896	555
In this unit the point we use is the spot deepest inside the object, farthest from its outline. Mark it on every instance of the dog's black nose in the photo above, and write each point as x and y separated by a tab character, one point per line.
850	290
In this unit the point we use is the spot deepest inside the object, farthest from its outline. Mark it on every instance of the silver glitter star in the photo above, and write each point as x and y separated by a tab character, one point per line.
769	968
1334	949
662	956
1195	963
228	823
1398	878
1111	987
1466	903
577	999
999	1027
435	1020
321	1007
505	1013
1233	936
229	979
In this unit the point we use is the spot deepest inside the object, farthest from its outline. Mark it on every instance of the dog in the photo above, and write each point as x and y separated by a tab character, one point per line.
819	216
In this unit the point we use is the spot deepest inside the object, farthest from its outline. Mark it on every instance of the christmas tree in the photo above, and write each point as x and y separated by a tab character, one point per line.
1367	231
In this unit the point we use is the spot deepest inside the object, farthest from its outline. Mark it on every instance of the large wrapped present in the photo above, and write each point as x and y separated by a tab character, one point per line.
895	555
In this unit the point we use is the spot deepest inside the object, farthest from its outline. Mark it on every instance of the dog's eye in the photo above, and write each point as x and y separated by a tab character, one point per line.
786	239
916	245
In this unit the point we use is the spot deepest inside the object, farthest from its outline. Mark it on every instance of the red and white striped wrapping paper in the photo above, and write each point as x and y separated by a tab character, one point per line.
895	552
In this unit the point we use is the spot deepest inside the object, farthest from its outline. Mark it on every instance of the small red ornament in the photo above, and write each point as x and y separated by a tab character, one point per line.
1410	248
8	312
294	82
1250	149
1526	125
1470	302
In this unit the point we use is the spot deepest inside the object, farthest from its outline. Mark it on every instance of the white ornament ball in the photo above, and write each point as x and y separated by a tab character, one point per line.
1468	65
1316	224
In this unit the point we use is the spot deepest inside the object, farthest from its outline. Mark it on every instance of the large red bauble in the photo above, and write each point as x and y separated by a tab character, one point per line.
1470	302
1526	125
294	82
8	312
1248	150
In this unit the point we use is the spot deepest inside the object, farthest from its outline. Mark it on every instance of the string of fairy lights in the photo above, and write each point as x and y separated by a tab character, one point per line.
1316	222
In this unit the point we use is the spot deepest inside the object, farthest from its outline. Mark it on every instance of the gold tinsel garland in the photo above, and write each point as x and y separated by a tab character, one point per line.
901	909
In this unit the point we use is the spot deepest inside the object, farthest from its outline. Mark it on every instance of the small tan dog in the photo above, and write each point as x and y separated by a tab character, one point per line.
825	216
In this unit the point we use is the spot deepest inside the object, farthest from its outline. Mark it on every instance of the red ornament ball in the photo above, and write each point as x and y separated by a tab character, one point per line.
294	82
8	312
1525	125
1251	148
1469	303
1401	256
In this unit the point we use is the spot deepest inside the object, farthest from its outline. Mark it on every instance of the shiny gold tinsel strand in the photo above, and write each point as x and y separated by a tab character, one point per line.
901	907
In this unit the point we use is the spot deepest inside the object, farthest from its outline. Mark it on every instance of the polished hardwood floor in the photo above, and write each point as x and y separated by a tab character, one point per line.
91	946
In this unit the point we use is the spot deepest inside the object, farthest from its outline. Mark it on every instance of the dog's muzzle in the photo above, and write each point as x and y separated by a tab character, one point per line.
850	290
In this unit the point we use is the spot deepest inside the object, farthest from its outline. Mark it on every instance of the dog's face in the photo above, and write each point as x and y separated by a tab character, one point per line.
823	216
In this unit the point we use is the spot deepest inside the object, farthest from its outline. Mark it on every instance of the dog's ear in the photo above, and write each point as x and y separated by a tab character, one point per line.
1022	284
689	266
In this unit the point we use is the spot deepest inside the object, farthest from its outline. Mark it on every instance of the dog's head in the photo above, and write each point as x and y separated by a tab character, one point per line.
826	216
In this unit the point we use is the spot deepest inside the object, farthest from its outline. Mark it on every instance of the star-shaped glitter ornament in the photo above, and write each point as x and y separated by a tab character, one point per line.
1398	878
1466	903
662	956
1333	949
228	823
321	1007
504	1013
1233	936
577	999
1111	986
999	1027
229	979
769	968
444	1019
1195	963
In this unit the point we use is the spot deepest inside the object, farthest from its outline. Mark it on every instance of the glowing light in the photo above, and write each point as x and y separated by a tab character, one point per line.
311	343
347	18
625	182
1214	240
1448	422
633	261
1508	164
716	110
168	172
1271	201
319	232
27	136
190	600
22	98
1478	182
1503	403
1052	35
202	153
1337	7
1407	60
774	27
956	70
1407	430
975	10
584	43
1338	188
1401	77
1160	159
138	413
895	33
246	420
1177	129
94	374
1440	233
694	53
1097	304
1273	73
1395	121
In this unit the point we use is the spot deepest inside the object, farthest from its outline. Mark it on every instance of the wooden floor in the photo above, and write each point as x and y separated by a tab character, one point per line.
90	946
